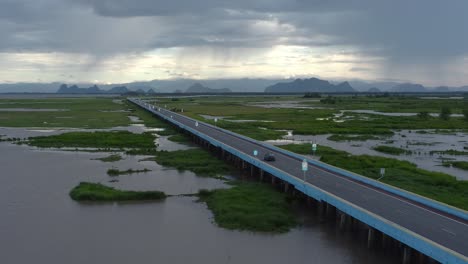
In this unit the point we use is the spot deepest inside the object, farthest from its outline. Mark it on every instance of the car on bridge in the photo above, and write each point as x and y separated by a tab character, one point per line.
269	157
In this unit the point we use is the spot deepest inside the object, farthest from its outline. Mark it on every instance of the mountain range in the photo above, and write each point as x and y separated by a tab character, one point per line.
309	85
198	88
234	85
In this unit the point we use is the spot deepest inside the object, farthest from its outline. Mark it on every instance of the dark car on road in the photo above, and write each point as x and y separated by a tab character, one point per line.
269	157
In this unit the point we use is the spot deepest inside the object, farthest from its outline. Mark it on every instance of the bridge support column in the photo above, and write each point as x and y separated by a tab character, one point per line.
343	218
261	175
321	207
370	236
286	187
330	211
252	167
406	255
273	180
384	240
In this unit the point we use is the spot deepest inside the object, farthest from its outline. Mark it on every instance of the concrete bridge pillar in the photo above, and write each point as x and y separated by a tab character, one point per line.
286	187
370	236
321	207
406	255
252	167
261	175
384	240
343	220
330	210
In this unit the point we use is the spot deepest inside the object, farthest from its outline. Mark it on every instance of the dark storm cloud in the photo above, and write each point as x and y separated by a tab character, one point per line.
422	29
400	31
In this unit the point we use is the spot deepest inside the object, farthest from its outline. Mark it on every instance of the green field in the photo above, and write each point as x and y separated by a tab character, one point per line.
320	120
74	113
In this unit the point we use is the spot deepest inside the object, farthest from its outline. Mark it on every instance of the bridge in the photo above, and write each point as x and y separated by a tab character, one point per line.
422	225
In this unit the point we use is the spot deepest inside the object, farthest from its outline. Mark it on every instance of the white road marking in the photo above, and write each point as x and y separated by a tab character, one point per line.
448	231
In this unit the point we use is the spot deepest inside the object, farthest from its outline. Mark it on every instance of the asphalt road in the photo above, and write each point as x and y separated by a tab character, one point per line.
447	231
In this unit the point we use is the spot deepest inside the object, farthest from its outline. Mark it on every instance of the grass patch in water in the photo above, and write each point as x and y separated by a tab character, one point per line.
101	139
390	150
115	172
86	191
110	158
457	164
344	137
449	152
402	174
197	160
250	206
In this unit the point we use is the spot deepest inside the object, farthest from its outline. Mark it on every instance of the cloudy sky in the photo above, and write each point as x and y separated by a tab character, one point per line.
114	41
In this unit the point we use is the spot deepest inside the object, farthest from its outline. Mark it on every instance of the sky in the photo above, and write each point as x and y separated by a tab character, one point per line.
118	41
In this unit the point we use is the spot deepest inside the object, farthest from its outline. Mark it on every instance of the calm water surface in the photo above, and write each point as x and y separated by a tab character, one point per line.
41	224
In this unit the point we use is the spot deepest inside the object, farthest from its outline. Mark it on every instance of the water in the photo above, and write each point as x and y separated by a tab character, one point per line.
287	104
32	110
372	112
41	224
419	144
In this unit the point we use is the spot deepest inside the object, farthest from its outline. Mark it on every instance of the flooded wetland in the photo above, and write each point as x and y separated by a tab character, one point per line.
47	148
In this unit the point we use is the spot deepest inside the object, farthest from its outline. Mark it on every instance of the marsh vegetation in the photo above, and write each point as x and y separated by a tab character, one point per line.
250	206
86	191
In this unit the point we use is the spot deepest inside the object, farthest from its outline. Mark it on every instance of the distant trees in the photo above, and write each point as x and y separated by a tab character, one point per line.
424	115
465	113
312	95
445	113
328	100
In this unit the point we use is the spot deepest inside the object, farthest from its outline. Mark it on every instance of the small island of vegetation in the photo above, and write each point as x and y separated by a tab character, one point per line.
250	206
86	191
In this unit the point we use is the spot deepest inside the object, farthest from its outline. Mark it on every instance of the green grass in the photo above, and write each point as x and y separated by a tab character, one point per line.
402	174
115	172
450	152
306	121
86	191
457	164
198	161
80	113
110	158
250	206
390	150
110	139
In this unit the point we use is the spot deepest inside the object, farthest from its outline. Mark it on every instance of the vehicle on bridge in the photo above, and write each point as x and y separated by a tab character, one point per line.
269	157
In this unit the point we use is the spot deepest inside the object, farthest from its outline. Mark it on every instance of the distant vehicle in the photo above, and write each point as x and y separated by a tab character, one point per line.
269	157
